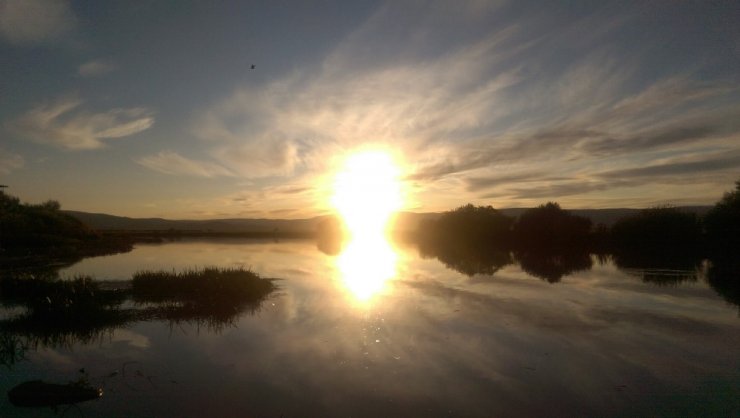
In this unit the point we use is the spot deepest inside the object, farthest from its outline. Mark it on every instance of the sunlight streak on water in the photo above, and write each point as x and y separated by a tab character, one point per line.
366	265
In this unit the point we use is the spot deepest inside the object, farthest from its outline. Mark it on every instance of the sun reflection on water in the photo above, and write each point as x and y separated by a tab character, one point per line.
366	265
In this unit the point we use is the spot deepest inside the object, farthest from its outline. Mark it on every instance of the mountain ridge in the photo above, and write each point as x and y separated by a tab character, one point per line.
405	221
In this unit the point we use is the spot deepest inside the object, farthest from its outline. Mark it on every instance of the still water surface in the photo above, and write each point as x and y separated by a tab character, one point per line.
379	330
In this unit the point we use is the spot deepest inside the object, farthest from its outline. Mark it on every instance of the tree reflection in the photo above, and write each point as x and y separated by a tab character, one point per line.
724	277
670	268
330	236
554	264
467	259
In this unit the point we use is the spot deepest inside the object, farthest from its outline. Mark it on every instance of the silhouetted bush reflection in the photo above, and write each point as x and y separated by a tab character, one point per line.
330	235
552	265
466	259
723	276
660	269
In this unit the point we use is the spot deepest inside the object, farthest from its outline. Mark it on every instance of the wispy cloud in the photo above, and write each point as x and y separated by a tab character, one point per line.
294	198
482	108
677	170
96	68
10	161
169	162
35	21
64	125
302	121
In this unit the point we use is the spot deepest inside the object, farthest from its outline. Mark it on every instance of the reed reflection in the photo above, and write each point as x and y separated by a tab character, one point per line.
366	264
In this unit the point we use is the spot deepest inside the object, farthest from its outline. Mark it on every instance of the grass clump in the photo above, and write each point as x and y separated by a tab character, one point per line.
77	296
210	286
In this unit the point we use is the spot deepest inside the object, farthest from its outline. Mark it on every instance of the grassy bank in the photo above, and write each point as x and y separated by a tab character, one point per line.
209	285
56	312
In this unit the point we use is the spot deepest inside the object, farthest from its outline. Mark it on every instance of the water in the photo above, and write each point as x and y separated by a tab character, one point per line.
379	330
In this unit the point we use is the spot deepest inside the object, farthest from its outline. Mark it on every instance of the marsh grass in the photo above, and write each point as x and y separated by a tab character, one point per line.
60	313
211	297
44	295
210	286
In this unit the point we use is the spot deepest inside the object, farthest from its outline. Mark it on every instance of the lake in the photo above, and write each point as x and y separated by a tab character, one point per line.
380	330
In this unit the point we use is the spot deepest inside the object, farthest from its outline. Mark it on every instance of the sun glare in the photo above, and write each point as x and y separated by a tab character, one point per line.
366	265
367	191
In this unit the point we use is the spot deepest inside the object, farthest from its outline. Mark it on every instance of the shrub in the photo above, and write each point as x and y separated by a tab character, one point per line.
549	226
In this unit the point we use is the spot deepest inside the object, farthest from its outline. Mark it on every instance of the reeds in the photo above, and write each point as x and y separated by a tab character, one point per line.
209	286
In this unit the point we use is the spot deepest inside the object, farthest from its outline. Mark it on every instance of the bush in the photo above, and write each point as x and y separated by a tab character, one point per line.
656	232
469	225
549	226
44	226
722	223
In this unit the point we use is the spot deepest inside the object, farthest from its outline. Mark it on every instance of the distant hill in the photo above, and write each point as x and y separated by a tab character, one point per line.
104	222
405	221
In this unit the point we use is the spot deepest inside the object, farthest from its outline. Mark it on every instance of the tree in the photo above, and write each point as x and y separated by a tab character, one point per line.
549	226
657	235
471	225
722	223
27	227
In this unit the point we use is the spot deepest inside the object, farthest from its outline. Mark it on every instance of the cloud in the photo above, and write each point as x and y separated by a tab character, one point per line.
482	183
169	162
62	124
10	161
675	115
35	21
472	99
261	158
304	121
717	167
557	190
679	169
96	68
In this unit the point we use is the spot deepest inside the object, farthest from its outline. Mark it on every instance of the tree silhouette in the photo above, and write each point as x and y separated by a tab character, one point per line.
549	226
468	225
30	232
470	239
659	233
722	223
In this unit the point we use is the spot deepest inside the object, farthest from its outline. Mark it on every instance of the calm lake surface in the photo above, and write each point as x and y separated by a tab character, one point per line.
379	330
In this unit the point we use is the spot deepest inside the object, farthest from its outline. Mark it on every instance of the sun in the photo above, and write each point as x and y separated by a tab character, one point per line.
367	192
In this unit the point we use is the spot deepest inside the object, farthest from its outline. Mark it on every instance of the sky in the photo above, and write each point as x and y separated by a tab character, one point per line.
152	109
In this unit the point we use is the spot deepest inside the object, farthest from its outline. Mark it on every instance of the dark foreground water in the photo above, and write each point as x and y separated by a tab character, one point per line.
380	331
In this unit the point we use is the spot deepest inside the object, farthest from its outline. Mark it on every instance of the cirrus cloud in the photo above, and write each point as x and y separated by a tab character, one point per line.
35	21
96	68
63	125
169	162
10	161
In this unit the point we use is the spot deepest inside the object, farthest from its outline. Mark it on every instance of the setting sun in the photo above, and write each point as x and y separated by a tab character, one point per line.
367	191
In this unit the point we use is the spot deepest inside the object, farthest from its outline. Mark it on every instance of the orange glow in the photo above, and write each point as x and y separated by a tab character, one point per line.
367	191
365	265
